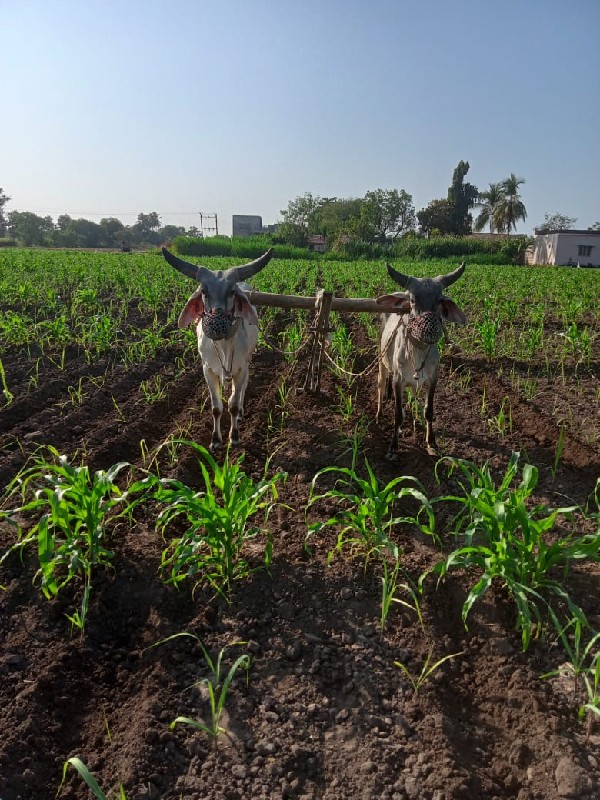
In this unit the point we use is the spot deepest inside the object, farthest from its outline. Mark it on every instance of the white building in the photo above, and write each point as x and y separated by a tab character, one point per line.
567	248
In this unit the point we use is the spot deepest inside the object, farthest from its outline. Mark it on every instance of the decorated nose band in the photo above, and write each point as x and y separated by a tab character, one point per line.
426	327
217	324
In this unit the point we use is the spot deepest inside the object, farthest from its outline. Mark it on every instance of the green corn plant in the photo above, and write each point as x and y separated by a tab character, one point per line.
282	407
76	393
364	524
354	442
217	684
417	411
8	396
345	406
219	518
501	423
153	390
343	347
530	387
60	361
533	339
389	589
583	663
591	708
461	379
71	508
488	330
89	779
504	538
560	446
427	670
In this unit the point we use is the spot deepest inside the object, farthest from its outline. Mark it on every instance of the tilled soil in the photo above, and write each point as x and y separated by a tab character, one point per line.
325	712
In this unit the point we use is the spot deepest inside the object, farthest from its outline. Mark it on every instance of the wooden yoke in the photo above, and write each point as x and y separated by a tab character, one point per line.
337	304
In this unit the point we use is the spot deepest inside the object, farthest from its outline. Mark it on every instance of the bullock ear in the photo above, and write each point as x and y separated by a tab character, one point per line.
244	308
451	312
399	302
192	312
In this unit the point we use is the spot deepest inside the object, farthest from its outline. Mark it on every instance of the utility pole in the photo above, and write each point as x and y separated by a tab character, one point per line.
209	223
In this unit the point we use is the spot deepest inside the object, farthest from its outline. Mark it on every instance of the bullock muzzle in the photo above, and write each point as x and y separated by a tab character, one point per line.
426	328
218	324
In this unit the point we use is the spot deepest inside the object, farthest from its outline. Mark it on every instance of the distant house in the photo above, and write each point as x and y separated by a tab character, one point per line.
245	225
566	248
317	243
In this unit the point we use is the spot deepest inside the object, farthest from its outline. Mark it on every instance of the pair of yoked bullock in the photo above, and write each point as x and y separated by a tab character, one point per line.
227	328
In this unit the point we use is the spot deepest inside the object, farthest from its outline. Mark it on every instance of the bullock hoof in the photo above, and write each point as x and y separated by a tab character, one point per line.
392	455
234	441
433	450
214	445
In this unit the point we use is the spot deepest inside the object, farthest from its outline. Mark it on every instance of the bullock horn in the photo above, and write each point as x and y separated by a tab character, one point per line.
404	280
252	267
185	267
446	280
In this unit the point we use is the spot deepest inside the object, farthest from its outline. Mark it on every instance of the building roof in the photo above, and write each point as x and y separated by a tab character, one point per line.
538	232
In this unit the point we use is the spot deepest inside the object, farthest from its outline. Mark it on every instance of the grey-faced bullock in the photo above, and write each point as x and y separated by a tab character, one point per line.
227	329
409	354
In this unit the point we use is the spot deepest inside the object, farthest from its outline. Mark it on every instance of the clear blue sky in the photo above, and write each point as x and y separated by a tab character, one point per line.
238	106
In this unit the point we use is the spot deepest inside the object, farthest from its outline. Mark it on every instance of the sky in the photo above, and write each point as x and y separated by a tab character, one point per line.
115	107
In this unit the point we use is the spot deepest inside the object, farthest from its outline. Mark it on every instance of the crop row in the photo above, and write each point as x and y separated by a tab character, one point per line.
499	535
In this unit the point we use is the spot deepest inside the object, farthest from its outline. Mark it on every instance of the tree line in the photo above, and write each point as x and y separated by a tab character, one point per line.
30	229
384	215
381	217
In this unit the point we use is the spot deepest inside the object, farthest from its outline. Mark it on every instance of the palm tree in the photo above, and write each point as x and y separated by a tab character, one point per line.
491	202
511	208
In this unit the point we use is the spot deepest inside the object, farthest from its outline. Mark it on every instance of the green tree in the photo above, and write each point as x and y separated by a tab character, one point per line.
299	211
168	232
296	218
114	230
30	229
436	217
146	229
335	216
461	197
490	202
3	220
291	233
387	214
556	222
594	227
511	208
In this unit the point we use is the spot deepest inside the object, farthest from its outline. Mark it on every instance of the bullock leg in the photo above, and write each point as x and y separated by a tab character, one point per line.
432	447
382	389
392	453
236	403
214	387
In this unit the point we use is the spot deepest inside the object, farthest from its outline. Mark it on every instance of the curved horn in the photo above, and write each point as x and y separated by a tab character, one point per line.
185	267
404	280
446	280
250	269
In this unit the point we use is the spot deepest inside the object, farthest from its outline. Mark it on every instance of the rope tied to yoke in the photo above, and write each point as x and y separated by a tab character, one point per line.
376	361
